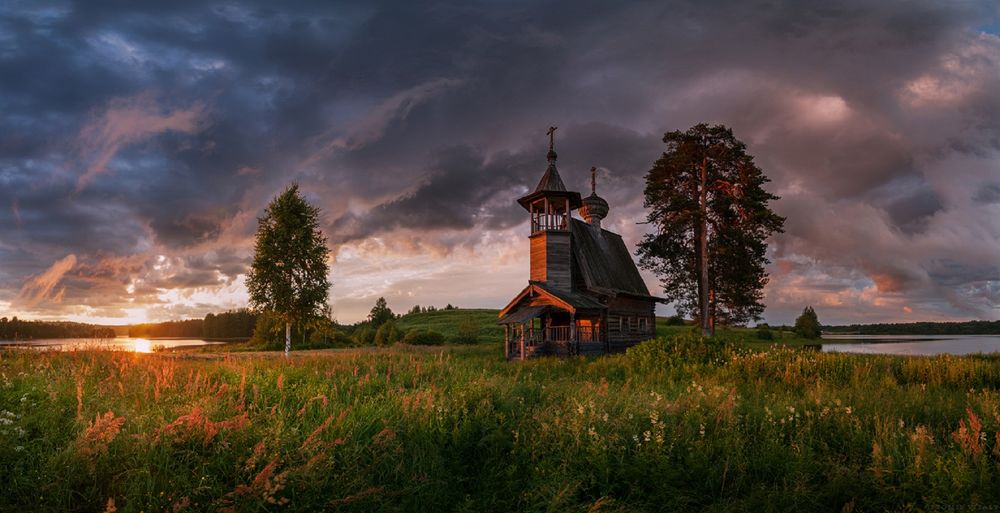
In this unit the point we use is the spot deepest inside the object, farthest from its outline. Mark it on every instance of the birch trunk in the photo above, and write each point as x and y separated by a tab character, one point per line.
288	338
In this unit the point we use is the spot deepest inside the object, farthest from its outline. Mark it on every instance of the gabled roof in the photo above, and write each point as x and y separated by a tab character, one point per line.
604	261
564	300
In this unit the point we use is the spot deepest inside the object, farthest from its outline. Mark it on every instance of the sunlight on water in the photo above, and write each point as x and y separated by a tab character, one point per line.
138	345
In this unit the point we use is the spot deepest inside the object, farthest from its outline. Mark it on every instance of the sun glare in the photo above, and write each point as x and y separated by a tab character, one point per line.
142	346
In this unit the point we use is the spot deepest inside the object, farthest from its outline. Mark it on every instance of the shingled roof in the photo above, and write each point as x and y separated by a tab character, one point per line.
604	261
551	181
551	185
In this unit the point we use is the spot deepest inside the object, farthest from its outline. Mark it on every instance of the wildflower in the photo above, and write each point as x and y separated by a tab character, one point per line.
702	431
970	438
99	434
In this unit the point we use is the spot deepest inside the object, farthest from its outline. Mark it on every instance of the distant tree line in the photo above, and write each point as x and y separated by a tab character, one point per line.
921	328
230	324
16	329
417	309
185	328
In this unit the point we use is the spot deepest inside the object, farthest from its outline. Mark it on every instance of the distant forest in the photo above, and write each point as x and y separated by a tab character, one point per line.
232	324
16	329
920	328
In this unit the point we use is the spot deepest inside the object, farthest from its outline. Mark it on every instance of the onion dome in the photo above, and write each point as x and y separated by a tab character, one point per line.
594	208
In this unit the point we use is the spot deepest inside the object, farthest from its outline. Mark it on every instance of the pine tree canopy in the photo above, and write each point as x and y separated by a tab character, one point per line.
288	275
380	313
738	217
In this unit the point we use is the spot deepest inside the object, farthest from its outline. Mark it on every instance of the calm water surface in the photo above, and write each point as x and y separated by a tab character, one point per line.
913	345
138	345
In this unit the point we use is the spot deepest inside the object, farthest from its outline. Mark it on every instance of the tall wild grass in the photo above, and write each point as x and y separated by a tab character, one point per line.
676	424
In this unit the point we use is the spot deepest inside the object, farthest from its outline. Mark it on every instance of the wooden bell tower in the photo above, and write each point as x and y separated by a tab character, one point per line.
550	206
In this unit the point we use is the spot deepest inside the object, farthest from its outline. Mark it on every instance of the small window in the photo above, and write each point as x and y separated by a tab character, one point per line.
642	324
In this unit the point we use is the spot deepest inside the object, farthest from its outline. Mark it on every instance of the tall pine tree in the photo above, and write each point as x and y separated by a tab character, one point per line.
289	271
711	216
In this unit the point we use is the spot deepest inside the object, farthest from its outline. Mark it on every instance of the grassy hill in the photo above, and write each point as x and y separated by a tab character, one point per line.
446	322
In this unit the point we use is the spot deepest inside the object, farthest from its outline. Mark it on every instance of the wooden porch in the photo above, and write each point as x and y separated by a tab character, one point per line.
536	338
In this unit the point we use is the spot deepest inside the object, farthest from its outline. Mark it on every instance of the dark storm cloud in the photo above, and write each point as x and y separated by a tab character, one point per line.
135	131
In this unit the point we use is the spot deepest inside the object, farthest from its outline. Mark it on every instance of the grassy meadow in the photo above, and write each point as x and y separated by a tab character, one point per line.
675	424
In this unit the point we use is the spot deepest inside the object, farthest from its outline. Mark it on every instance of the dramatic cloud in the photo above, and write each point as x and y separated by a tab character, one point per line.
128	121
39	288
145	140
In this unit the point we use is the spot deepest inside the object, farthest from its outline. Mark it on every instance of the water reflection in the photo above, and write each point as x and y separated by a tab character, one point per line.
912	345
137	345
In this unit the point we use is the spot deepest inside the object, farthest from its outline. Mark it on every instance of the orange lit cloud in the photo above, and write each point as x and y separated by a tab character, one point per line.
39	288
127	121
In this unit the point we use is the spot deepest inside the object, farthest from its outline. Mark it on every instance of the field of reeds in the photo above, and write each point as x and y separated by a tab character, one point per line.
674	425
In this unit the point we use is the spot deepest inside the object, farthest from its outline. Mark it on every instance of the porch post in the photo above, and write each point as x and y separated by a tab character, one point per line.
605	332
522	341
506	341
572	333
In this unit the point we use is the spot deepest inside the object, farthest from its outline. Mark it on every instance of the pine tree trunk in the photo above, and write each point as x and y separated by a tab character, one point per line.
703	292
288	338
711	311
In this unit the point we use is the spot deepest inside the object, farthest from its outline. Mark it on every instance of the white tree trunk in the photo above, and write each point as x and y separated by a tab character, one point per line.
288	338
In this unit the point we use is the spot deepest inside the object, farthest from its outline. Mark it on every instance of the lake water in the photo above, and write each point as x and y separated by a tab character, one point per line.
911	345
137	345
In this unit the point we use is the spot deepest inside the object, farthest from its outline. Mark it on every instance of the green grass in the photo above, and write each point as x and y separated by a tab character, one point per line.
446	322
747	336
674	425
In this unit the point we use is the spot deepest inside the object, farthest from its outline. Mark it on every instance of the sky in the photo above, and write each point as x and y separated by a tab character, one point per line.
140	141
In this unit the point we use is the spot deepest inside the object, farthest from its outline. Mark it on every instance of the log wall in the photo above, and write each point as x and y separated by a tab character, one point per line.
551	261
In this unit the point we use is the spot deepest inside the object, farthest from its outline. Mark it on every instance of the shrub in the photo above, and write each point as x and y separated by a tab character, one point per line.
329	338
675	320
423	338
387	334
364	335
764	334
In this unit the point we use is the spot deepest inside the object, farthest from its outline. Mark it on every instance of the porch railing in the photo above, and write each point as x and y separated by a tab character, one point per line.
559	338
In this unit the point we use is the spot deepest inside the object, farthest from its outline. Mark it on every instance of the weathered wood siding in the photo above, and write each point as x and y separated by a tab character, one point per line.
630	321
551	261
